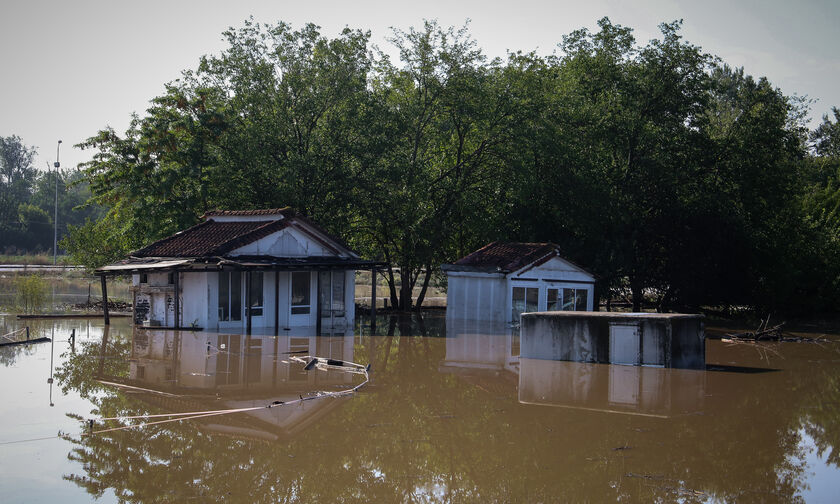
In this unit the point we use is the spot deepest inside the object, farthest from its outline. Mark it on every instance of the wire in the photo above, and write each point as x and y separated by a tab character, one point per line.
320	363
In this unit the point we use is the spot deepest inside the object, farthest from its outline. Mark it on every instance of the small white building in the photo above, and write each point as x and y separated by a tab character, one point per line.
267	269
502	280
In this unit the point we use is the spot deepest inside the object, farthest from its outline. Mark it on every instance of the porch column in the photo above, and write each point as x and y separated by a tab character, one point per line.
248	302
176	280
105	299
317	302
277	302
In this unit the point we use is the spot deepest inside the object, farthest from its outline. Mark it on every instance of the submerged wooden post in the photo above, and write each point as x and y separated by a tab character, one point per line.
176	281
105	299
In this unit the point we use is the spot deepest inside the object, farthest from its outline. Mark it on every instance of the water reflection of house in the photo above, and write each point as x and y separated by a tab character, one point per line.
487	355
635	390
196	371
475	345
242	269
500	281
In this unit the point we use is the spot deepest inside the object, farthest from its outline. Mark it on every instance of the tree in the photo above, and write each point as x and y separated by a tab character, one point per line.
826	138
268	123
17	174
438	124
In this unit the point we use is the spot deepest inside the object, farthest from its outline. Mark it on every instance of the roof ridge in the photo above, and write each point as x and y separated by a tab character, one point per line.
256	211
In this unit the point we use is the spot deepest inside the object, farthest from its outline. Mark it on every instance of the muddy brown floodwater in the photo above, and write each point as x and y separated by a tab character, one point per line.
446	418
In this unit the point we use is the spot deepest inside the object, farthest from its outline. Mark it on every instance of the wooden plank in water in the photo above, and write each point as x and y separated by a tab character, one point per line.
71	315
24	342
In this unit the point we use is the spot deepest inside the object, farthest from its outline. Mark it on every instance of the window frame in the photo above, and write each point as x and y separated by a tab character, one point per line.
308	298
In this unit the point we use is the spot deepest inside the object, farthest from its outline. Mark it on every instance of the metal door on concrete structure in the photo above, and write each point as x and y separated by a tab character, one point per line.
625	344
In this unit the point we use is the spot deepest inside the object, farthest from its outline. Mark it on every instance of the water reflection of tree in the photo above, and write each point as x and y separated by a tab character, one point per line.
10	354
417	435
821	415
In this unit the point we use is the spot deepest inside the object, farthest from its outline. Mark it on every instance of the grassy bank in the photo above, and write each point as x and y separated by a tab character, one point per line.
34	259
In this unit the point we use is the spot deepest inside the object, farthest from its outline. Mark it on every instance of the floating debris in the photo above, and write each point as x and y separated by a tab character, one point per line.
311	362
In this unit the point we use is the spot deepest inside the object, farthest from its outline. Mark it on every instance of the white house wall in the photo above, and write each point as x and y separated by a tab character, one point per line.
489	296
204	288
555	268
350	297
475	296
194	298
288	242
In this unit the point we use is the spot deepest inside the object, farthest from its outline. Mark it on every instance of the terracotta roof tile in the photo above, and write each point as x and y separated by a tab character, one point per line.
210	238
506	256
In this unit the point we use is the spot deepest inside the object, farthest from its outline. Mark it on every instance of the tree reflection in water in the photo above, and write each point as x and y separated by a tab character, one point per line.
425	433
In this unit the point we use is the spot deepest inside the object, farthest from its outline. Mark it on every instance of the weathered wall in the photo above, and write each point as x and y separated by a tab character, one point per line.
670	340
476	297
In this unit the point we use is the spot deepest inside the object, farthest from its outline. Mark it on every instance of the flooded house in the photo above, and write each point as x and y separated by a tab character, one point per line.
502	280
269	269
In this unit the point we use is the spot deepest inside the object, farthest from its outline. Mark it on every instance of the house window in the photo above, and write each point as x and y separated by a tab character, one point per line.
525	299
332	293
255	288
230	295
170	279
144	278
553	300
574	299
300	293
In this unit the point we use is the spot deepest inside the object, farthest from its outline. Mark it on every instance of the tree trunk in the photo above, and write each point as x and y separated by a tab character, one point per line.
392	287
423	289
405	289
638	294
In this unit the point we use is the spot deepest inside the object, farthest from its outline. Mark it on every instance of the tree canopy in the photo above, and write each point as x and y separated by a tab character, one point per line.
672	176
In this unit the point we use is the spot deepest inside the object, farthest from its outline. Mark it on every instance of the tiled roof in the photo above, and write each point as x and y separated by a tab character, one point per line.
211	238
506	257
243	213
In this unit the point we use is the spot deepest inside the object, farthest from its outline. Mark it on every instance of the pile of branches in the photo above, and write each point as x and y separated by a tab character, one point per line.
766	332
113	306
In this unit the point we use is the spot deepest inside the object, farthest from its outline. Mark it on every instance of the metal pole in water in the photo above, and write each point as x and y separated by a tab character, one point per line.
52	353
55	219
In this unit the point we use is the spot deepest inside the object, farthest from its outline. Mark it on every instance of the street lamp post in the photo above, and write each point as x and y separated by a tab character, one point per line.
55	218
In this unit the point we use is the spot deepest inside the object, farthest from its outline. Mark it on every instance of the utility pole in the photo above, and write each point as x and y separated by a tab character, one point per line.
55	218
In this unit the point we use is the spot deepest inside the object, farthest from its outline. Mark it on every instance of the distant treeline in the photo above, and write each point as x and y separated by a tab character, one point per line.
28	200
667	173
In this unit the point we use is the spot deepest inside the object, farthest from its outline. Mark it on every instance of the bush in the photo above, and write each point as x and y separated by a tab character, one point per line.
31	292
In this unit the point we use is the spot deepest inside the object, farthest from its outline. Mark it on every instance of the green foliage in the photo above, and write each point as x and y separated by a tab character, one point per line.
31	292
28	200
660	168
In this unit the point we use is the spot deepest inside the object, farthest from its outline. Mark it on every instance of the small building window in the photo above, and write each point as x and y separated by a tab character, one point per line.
332	293
525	299
300	293
255	289
170	279
144	278
574	299
553	301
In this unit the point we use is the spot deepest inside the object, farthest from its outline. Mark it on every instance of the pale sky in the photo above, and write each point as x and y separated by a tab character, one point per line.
71	68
